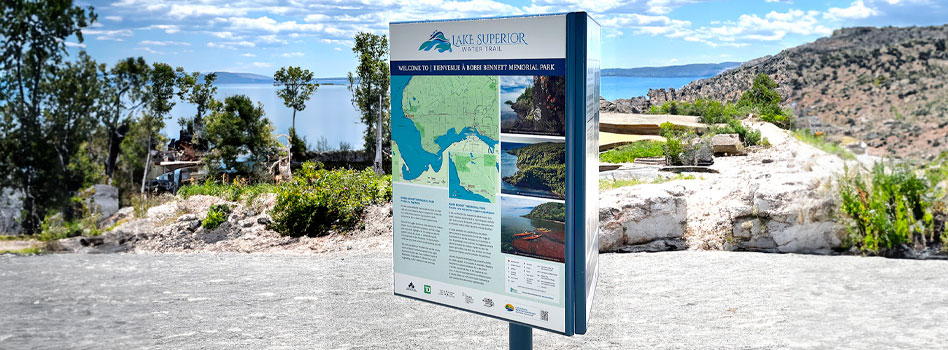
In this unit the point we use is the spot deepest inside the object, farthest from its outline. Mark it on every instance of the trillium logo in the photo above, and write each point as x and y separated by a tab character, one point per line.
437	41
509	307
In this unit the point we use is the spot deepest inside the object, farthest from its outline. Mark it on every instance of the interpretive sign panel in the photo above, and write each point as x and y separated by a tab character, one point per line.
494	158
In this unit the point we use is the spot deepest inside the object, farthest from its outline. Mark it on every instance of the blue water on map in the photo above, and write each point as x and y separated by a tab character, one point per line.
460	192
406	135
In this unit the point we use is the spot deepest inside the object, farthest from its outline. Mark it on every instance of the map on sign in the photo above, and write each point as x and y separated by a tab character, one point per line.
436	116
474	177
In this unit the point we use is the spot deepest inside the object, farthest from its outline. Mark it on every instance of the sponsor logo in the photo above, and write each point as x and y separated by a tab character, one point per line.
488	302
544	315
437	41
446	293
509	307
467	298
411	287
427	289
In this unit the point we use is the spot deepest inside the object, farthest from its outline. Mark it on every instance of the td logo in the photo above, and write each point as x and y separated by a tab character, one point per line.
427	289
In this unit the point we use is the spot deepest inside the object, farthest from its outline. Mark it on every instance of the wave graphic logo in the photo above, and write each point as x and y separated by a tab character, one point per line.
437	41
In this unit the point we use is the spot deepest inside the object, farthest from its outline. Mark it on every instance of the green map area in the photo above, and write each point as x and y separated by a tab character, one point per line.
441	103
474	177
452	115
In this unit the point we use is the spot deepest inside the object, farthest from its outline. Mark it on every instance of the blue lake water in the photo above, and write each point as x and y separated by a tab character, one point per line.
627	87
330	114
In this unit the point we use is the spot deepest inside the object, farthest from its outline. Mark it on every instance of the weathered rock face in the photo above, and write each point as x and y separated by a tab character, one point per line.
11	203
781	199
883	85
103	199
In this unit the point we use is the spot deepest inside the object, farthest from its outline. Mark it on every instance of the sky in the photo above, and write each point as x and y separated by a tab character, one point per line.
260	36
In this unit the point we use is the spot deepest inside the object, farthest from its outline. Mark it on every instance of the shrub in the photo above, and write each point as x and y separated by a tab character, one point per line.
895	206
319	200
673	148
216	215
628	153
749	137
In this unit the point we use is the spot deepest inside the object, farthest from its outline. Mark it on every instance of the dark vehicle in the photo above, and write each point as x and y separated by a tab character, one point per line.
162	183
172	181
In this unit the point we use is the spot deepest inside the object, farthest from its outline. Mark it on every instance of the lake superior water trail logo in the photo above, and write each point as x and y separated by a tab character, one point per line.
437	41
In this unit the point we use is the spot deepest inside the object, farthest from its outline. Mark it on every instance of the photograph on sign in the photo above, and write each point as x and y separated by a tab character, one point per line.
533	228
533	105
534	169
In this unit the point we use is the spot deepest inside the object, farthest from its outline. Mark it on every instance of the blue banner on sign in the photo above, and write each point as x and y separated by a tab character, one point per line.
550	66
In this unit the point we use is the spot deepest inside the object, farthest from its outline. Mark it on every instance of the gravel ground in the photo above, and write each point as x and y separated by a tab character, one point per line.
343	300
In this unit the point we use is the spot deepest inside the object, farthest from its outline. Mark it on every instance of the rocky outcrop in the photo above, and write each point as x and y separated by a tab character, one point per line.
781	199
175	226
883	85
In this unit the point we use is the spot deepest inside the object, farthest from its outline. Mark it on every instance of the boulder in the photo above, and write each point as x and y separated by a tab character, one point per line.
727	144
102	199
11	204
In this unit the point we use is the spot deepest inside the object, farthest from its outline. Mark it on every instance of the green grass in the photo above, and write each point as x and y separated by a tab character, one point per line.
809	138
14	238
628	153
605	185
24	251
230	191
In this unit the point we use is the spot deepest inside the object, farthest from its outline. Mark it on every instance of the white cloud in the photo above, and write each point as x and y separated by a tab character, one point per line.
856	10
261	64
72	44
164	43
291	54
233	45
103	34
168	28
248	55
113	18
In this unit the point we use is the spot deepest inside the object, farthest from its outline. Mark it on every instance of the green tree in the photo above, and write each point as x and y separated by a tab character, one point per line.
199	94
237	130
33	36
161	84
298	86
369	82
124	93
71	115
129	166
762	95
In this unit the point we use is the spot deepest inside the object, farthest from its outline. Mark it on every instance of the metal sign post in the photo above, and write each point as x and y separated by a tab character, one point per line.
521	337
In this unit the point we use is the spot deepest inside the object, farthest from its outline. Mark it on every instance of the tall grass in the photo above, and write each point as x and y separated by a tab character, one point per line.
895	205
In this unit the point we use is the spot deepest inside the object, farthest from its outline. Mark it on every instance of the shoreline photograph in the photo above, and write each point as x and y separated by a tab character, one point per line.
534	105
533	169
533	228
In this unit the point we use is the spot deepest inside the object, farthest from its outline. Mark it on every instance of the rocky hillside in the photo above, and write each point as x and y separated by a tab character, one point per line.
886	86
